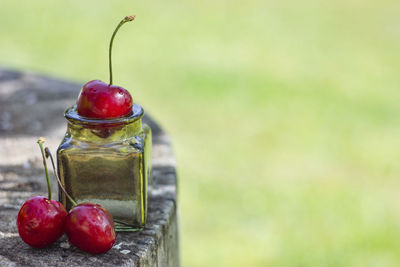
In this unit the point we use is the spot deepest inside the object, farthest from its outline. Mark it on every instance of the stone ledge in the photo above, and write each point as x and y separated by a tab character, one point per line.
33	106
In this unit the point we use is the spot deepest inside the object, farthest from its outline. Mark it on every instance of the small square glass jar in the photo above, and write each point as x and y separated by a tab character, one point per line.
107	162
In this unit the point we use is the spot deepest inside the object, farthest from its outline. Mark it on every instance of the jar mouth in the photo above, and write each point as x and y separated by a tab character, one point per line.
71	114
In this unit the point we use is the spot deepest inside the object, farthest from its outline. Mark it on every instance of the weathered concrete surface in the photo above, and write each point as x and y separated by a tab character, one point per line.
33	106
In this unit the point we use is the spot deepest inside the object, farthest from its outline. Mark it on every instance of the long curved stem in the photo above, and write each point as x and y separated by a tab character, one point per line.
126	19
40	141
48	154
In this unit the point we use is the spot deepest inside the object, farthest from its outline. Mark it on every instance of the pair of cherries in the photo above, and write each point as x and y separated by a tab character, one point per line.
41	221
89	227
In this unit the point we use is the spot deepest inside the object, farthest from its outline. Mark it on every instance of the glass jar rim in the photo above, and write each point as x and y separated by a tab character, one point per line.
72	115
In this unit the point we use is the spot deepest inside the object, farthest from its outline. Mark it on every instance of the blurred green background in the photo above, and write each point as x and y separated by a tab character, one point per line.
285	117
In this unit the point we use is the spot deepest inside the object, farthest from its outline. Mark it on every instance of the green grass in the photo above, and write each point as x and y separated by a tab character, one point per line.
285	117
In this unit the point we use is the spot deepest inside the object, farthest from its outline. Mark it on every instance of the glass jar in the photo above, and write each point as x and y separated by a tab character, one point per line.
107	162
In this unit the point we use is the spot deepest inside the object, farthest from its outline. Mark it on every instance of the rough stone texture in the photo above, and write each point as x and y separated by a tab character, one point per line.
33	106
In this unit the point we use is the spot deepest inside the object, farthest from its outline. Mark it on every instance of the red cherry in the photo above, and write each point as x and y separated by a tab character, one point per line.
90	228
103	101
41	221
99	100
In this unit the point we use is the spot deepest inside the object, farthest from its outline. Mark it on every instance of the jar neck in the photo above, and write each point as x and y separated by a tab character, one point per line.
98	131
104	133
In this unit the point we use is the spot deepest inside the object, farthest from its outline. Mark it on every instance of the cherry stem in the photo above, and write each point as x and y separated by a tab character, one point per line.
40	141
126	19
48	154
